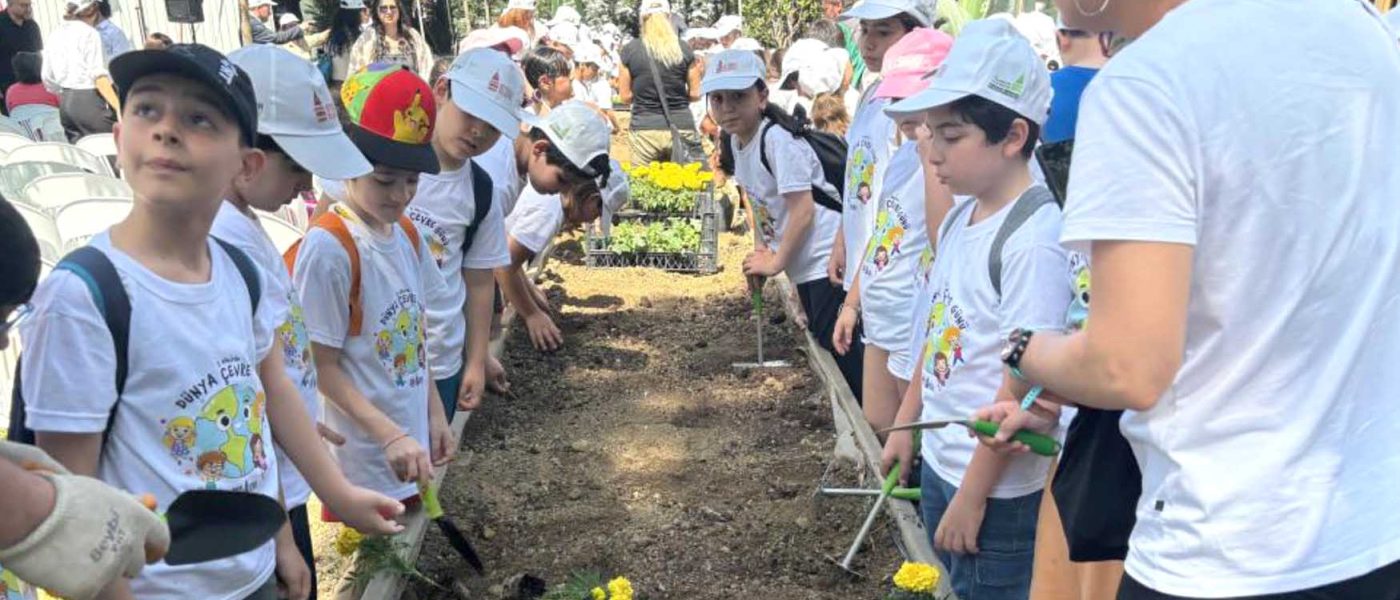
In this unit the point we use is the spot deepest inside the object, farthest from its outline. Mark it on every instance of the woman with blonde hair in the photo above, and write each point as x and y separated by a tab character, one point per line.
660	78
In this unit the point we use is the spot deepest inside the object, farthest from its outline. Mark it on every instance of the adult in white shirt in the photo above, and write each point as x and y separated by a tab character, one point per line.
1239	210
74	66
114	40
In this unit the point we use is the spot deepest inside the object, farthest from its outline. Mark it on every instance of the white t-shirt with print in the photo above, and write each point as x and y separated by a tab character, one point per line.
388	360
597	92
536	220
193	415
965	325
795	169
244	231
499	163
1270	464
441	210
890	259
870	141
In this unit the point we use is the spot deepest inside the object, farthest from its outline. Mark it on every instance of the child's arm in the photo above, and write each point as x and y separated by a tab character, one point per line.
801	212
957	532
481	286
836	265
899	445
440	436
846	320
409	460
296	435
544	335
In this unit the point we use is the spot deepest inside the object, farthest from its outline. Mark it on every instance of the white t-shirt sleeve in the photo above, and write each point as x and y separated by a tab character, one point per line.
69	367
793	161
489	249
1134	176
322	279
1034	294
535	221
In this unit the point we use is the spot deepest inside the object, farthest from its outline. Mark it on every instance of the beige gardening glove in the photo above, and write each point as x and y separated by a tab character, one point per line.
95	533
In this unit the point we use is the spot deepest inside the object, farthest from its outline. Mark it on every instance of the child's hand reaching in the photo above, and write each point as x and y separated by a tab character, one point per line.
443	441
366	511
472	389
544	335
293	576
957	532
762	262
842	335
408	459
1008	413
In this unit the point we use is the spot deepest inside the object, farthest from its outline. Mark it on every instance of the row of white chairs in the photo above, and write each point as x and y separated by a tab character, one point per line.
101	144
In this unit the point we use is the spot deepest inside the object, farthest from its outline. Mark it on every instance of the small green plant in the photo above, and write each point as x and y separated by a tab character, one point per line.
382	554
671	235
590	585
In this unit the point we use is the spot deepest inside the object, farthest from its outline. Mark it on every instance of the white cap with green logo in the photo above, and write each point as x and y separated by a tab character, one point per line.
989	59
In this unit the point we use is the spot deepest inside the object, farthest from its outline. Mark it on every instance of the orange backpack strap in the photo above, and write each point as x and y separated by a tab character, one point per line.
412	231
336	226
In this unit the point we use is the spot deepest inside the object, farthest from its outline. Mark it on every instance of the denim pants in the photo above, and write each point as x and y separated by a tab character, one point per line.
1001	569
447	388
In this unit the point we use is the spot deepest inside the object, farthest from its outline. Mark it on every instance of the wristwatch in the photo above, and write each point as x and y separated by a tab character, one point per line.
1015	349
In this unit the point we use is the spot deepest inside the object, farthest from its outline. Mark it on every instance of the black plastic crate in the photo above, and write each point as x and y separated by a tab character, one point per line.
705	258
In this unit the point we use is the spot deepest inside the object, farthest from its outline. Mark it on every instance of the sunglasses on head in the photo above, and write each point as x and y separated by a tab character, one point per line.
388	8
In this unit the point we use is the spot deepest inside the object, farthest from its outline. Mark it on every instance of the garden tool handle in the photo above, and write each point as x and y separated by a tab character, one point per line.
429	493
891	480
1039	443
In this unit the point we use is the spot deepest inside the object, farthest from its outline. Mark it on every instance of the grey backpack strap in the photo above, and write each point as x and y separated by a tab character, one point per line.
1025	207
955	214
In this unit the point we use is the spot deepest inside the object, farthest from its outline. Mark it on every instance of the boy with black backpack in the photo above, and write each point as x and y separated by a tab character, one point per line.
199	390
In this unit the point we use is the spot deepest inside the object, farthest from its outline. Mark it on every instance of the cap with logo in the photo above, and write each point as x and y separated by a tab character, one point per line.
652	7
391	113
199	63
910	62
579	132
818	69
992	61
732	70
297	110
728	24
488	86
874	10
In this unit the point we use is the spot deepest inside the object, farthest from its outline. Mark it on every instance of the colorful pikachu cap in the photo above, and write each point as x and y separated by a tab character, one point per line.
391	113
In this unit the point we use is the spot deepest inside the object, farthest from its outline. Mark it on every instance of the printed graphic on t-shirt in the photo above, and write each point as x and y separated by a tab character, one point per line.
1078	315
433	233
943	348
883	246
296	344
216	432
399	341
11	588
925	265
765	224
860	173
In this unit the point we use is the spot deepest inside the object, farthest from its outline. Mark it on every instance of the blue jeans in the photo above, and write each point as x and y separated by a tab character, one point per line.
447	388
1001	569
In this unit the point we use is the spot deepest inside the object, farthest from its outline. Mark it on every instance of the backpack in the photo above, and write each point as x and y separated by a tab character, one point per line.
105	285
481	188
334	224
829	148
1022	211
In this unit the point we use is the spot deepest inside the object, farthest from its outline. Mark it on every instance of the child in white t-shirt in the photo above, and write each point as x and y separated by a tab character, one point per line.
796	233
882	297
998	265
205	390
589	83
365	276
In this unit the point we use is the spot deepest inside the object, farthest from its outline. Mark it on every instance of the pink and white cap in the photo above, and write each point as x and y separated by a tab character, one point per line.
910	62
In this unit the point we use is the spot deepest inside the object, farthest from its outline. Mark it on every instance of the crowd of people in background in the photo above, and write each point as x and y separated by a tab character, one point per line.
1224	422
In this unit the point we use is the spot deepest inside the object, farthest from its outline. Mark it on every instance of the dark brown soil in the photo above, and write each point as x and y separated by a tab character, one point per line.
636	450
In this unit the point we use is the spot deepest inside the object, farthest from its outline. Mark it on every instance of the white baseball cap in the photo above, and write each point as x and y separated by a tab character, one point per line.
700	33
521	4
489	86
1393	17
746	43
512	39
565	33
816	67
617	191
732	70
288	19
989	59
728	24
873	10
297	110
566	14
261	3
352	4
588	52
651	7
577	130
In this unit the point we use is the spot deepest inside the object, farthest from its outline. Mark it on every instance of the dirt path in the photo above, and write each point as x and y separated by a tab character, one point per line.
637	451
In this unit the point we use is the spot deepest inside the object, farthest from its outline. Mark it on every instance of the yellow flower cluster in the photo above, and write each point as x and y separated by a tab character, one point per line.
348	541
620	589
918	578
599	594
671	176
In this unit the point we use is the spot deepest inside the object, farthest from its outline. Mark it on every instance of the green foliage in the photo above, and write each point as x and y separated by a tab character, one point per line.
382	554
778	24
579	587
672	235
650	197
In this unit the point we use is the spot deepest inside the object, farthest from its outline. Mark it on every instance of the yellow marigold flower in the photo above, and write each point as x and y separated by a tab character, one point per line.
599	594
348	541
620	589
918	578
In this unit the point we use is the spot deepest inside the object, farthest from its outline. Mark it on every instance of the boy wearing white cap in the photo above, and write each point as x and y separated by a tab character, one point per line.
998	265
479	103
729	28
589	83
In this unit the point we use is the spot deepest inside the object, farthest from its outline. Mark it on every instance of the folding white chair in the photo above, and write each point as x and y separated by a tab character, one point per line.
101	144
283	233
51	192
41	122
15	175
41	223
10	140
78	221
8	125
64	153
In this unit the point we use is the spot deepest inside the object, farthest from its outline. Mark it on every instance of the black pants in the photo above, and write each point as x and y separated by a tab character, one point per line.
301	533
822	303
1380	584
83	113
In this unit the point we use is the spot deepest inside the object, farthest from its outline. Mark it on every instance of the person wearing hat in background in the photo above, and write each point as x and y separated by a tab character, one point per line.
589	83
565	14
334	41
521	14
657	112
984	110
188	134
18	33
729	28
74	65
259	15
912	203
365	277
391	38
300	46
810	69
510	40
114	40
1081	57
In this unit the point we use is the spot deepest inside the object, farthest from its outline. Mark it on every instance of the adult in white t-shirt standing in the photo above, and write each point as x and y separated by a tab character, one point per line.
1239	208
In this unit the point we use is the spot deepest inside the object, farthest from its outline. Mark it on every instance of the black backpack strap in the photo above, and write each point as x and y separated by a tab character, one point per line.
1022	211
763	148
247	270
482	190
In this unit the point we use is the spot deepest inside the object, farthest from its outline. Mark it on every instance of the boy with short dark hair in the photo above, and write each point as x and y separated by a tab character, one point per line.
205	384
